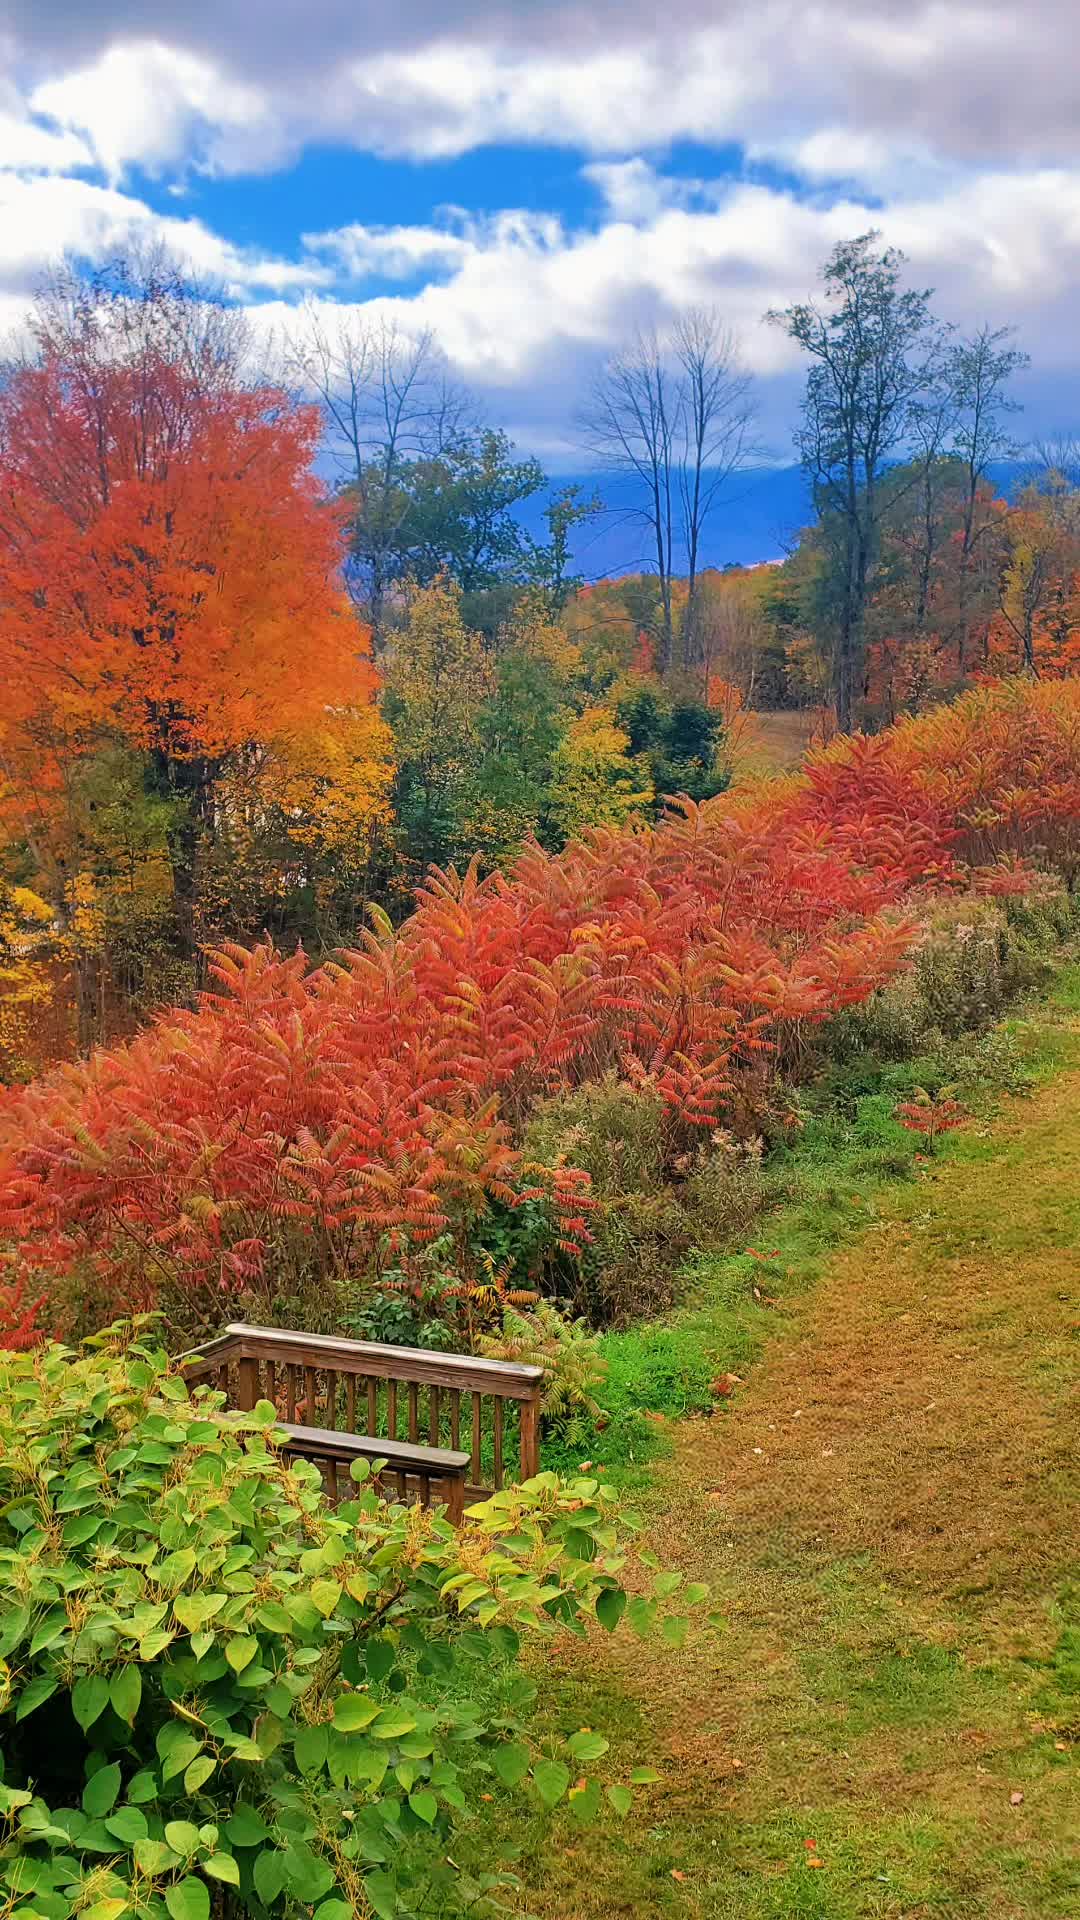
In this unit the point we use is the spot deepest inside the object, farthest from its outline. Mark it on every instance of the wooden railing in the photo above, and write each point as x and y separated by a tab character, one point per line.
446	1403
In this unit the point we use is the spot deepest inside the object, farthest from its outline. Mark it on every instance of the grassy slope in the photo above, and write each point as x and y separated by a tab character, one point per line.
888	1515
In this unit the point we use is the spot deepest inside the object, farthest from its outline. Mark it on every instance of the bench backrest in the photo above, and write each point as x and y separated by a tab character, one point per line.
404	1393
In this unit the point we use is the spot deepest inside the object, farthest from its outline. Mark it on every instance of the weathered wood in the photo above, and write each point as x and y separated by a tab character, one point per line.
529	1441
362	1365
501	1379
248	1383
438	1471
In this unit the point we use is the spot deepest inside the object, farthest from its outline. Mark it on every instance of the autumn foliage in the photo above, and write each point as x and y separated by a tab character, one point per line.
323	1121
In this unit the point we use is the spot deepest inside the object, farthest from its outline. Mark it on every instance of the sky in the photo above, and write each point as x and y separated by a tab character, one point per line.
534	180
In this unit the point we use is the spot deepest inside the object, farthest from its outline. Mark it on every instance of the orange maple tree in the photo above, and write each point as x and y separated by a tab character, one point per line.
169	562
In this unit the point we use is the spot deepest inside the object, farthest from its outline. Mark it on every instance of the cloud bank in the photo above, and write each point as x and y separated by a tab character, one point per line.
954	128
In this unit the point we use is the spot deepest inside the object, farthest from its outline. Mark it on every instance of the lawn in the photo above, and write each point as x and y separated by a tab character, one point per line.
887	1511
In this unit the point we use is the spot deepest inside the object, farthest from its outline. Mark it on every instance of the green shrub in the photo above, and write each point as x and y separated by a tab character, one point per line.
661	1192
218	1691
569	1354
976	959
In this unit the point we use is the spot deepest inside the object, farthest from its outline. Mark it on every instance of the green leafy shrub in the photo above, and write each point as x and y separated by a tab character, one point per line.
570	1355
218	1692
976	959
659	1192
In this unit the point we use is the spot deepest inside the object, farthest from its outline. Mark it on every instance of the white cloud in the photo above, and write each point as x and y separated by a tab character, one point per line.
42	219
952	124
152	106
970	80
30	148
394	253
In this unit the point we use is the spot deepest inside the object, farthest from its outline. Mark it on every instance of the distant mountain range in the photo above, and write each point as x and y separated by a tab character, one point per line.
758	519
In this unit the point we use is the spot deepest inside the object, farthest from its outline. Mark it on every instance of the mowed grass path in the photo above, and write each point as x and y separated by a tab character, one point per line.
889	1515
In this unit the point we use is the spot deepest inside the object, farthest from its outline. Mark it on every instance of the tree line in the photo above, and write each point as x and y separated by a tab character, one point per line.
277	642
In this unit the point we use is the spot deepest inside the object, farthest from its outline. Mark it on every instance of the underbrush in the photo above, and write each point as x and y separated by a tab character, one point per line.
819	1182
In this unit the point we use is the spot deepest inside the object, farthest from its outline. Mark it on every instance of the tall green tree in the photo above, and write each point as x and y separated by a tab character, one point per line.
877	357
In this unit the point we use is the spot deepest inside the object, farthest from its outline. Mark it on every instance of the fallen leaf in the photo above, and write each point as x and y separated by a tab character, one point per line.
677	1874
1016	1799
813	1861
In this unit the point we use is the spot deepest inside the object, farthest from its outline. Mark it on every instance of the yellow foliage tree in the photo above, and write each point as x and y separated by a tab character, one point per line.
597	782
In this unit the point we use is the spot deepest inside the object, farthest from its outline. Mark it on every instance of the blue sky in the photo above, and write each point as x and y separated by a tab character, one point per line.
532	181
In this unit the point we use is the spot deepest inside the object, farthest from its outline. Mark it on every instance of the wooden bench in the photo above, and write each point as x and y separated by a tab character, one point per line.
361	1389
428	1474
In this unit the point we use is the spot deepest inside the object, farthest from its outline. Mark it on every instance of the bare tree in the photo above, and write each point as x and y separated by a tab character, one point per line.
978	373
630	423
876	355
673	414
388	399
716	418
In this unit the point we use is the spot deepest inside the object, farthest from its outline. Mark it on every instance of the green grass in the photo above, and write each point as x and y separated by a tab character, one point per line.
903	1651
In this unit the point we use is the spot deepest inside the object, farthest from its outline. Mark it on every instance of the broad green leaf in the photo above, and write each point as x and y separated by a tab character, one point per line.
641	1617
36	1694
382	1894
352	1711
125	1693
551	1779
666	1583
193	1610
511	1763
621	1799
153	1645
182	1836
326	1594
240	1651
178	1755
380	1656
100	1791
82	1528
108	1909
309	1748
424	1805
198	1772
154	1857
222	1866
189	1899
695	1593
674	1628
246	1828
89	1698
391	1726
584	1802
269	1875
644	1776
128	1824
610	1607
587	1746
335	1910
